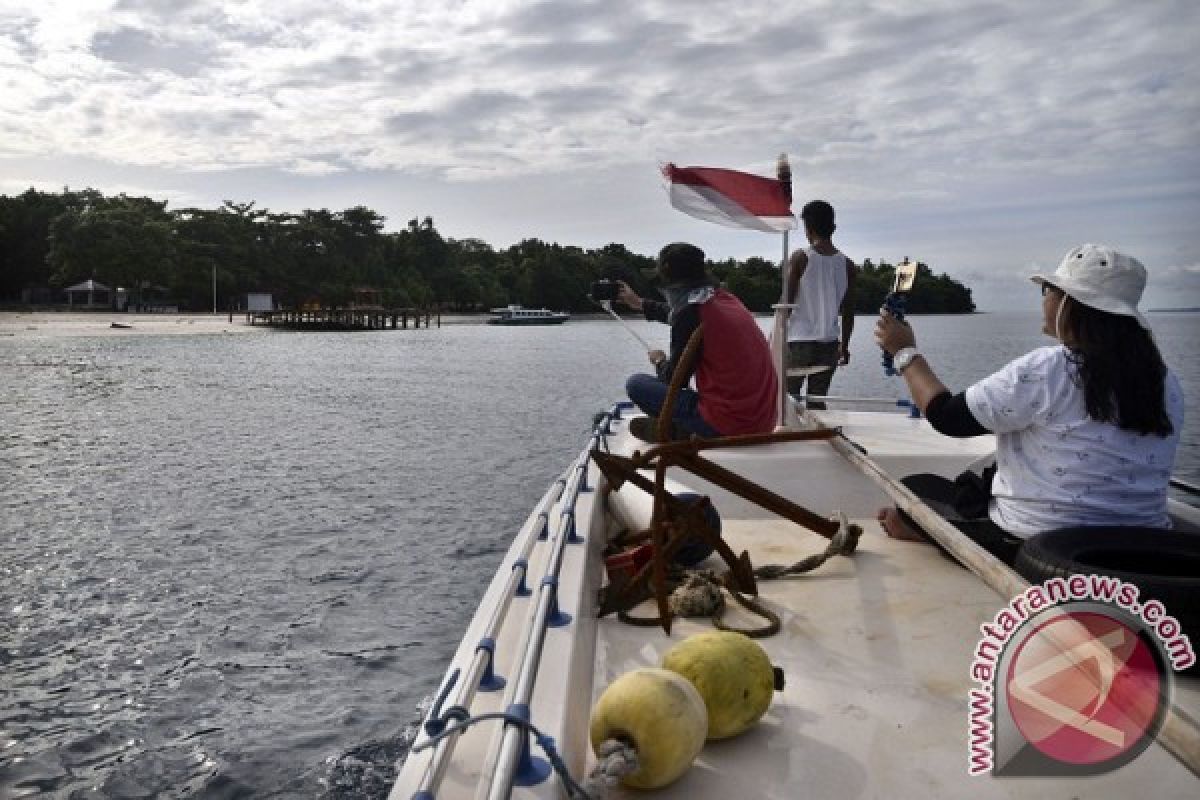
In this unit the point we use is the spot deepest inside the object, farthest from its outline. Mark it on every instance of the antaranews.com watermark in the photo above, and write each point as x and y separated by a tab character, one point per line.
1073	678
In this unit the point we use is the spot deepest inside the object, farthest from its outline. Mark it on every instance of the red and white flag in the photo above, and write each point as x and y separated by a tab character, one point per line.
727	197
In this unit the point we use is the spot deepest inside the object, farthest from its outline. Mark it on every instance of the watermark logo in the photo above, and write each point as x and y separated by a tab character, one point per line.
1074	679
1085	689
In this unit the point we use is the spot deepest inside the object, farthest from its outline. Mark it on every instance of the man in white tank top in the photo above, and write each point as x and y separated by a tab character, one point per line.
820	284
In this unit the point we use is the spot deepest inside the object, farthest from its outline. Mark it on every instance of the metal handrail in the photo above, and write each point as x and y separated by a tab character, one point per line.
836	398
468	683
512	742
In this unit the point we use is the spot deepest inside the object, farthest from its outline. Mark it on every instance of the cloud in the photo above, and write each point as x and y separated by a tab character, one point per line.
142	50
176	198
980	89
947	127
211	123
1176	275
15	186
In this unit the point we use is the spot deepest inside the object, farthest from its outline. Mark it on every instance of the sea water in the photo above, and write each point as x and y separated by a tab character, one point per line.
232	565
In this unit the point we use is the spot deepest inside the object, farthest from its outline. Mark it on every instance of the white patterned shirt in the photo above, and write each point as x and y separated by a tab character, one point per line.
1056	466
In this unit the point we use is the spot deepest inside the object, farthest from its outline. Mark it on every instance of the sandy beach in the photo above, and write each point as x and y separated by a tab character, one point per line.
47	324
67	323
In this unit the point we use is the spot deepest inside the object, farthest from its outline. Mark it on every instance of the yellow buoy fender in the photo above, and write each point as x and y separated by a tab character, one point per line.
732	673
661	715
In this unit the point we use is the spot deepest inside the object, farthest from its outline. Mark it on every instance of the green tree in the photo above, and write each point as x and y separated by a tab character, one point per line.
930	293
25	240
120	242
323	256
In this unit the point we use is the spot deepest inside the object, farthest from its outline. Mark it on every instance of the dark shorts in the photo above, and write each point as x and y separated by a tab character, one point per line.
963	503
812	354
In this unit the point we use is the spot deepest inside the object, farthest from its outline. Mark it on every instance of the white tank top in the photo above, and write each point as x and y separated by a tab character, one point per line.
818	299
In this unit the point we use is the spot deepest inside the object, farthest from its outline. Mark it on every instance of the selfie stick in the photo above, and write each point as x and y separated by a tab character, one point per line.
906	273
607	306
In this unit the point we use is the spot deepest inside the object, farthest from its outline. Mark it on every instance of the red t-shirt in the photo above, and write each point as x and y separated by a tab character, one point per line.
736	377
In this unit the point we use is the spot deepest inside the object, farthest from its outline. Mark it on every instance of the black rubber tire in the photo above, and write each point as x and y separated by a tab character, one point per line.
1164	565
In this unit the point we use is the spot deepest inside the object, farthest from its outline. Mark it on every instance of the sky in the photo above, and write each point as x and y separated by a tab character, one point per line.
983	138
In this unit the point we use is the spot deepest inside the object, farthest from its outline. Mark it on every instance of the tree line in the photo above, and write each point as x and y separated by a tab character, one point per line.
52	241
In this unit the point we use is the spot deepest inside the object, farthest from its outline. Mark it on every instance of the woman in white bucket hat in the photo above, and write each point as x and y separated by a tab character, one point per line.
1086	430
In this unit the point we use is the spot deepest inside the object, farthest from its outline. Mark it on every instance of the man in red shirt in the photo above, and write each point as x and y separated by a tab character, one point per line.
736	386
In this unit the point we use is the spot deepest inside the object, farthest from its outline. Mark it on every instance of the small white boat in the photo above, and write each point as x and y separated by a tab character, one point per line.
877	646
519	315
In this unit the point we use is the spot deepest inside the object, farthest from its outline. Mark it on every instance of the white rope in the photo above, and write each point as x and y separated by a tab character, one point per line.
698	596
614	760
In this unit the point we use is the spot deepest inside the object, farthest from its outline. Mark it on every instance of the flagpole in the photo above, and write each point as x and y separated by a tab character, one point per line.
783	172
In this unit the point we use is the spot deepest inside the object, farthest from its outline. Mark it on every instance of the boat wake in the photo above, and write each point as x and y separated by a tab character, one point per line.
368	770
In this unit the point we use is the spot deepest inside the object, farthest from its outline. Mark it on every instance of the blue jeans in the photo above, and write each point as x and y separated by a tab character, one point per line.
649	393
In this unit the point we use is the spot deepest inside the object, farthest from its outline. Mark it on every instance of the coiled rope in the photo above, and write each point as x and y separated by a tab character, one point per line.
842	543
700	593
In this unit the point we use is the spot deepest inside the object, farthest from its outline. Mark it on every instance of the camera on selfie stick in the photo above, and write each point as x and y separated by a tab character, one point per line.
604	291
895	302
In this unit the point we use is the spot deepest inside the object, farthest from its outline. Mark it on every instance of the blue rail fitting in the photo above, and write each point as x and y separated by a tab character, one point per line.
913	411
424	794
624	405
573	536
583	477
490	682
544	521
555	617
531	770
522	590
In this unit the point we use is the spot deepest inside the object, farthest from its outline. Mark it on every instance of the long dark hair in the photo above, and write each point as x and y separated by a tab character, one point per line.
1119	368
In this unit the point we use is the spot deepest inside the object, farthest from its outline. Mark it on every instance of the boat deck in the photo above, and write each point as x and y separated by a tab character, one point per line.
876	647
876	650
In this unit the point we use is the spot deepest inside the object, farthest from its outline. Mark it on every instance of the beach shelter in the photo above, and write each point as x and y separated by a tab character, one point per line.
88	294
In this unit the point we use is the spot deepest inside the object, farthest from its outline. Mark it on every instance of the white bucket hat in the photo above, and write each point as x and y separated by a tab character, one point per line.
1098	276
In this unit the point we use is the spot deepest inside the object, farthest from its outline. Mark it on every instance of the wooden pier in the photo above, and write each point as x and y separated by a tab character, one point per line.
344	319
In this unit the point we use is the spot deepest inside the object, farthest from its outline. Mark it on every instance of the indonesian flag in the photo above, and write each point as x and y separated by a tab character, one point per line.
734	199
